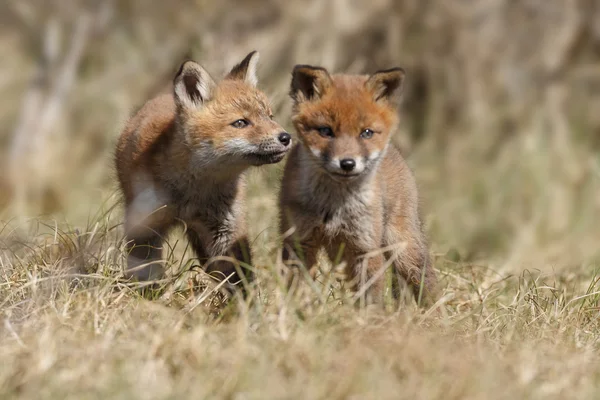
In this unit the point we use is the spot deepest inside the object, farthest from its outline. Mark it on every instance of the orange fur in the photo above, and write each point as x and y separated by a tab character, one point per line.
346	185
182	158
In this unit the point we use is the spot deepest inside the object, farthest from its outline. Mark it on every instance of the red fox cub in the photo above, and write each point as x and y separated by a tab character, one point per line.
181	158
346	188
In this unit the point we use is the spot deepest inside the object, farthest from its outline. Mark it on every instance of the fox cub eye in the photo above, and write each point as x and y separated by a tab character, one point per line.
240	123
325	131
366	134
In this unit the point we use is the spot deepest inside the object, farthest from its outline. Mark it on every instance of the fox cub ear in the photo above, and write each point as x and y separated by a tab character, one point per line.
246	69
192	85
387	84
309	83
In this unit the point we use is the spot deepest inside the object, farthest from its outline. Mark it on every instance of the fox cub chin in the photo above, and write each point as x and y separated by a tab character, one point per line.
181	158
347	189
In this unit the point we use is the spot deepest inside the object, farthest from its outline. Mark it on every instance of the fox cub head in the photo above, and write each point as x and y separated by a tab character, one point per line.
230	119
345	121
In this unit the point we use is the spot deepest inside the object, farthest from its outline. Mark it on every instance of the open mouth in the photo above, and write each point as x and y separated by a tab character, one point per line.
269	158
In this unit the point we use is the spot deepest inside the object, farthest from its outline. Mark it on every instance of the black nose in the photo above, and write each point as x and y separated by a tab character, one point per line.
347	164
285	138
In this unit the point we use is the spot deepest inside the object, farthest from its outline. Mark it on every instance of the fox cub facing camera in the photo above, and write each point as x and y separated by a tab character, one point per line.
346	188
181	158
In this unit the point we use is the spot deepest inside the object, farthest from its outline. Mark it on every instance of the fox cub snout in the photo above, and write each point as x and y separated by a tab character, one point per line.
182	158
345	187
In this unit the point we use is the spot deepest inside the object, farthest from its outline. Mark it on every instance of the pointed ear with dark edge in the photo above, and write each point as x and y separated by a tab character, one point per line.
309	83
246	69
387	84
192	86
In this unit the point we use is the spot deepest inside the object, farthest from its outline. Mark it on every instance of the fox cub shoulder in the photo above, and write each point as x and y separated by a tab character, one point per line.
182	158
346	187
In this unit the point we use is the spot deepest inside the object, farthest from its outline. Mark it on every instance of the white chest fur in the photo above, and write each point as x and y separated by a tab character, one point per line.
348	214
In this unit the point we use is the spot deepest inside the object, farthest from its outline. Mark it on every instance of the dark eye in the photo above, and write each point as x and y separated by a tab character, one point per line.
325	131
240	123
367	134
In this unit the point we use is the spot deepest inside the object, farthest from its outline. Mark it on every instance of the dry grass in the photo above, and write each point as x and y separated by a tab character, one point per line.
73	329
501	128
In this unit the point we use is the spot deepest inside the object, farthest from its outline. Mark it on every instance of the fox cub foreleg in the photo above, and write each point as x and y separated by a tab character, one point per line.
235	265
299	254
364	263
301	244
366	277
224	255
415	269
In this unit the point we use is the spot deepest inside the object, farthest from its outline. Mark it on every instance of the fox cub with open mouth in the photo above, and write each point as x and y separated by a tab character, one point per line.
182	158
347	189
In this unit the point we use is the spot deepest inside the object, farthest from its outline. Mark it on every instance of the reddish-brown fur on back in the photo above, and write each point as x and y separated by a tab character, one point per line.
345	186
181	157
155	120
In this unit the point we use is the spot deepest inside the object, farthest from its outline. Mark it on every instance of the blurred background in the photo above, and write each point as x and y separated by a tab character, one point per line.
501	116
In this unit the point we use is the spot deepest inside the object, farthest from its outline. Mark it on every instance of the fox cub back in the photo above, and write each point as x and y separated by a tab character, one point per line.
181	158
347	189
